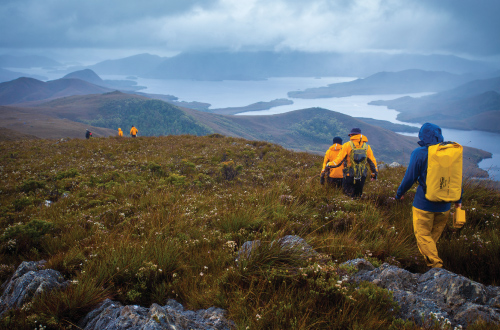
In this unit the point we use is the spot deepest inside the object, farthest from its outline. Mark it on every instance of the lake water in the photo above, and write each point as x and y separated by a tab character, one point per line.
222	94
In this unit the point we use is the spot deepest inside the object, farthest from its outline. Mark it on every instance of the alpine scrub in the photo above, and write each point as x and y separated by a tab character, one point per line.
147	219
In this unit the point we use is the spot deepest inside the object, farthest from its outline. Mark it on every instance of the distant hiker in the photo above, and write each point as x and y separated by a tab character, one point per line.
120	132
356	155
88	134
332	176
429	217
134	131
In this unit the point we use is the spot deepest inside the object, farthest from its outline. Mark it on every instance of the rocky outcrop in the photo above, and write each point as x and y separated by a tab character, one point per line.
290	243
112	315
437	293
28	281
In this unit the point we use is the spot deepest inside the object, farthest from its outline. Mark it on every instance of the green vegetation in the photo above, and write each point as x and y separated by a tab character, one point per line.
147	219
320	128
151	117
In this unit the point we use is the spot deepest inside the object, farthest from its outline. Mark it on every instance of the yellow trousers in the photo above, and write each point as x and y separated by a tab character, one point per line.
428	227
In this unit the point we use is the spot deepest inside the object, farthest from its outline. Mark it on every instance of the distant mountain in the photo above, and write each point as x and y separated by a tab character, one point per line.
92	77
7	75
28	89
474	105
408	81
86	75
262	65
134	65
303	130
26	61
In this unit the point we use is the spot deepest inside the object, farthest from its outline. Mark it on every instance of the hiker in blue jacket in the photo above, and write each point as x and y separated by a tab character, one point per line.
429	218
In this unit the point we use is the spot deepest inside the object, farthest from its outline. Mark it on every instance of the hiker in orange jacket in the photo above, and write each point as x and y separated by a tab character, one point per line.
120	132
333	176
134	131
357	156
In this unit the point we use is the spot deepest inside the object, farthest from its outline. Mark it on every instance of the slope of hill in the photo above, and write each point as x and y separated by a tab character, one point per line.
29	89
474	105
12	135
408	81
30	121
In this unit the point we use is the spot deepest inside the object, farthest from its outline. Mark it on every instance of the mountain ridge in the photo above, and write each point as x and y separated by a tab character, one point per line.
28	89
401	82
473	105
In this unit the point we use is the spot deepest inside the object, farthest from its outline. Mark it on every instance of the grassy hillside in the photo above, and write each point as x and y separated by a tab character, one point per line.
146	219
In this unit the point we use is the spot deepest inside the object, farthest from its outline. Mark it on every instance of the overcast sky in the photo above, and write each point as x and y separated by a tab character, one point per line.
121	28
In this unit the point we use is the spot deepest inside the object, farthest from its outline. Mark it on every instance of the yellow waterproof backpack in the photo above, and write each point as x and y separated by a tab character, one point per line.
444	172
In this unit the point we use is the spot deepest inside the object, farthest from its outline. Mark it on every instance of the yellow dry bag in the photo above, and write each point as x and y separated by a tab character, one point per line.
458	218
444	172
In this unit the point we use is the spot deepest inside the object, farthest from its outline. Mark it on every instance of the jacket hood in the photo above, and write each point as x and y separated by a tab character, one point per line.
358	139
335	146
430	134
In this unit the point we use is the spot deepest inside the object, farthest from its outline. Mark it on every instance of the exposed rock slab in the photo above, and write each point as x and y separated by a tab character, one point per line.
437	292
287	243
28	281
112	315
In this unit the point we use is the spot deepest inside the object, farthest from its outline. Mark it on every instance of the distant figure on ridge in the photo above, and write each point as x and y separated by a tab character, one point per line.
88	134
134	131
356	155
120	132
333	176
430	207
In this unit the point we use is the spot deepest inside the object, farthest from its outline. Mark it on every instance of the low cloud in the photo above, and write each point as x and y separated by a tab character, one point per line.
467	27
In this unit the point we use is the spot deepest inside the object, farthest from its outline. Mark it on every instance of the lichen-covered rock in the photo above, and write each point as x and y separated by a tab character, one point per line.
290	242
112	315
246	250
437	293
28	281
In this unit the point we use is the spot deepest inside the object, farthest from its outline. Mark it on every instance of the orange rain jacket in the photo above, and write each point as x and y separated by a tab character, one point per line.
133	131
120	132
330	156
343	156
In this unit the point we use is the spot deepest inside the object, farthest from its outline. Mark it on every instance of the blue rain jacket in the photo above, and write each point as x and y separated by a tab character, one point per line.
429	134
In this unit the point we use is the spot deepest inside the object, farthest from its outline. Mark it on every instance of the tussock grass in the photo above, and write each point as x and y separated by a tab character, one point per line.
147	219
